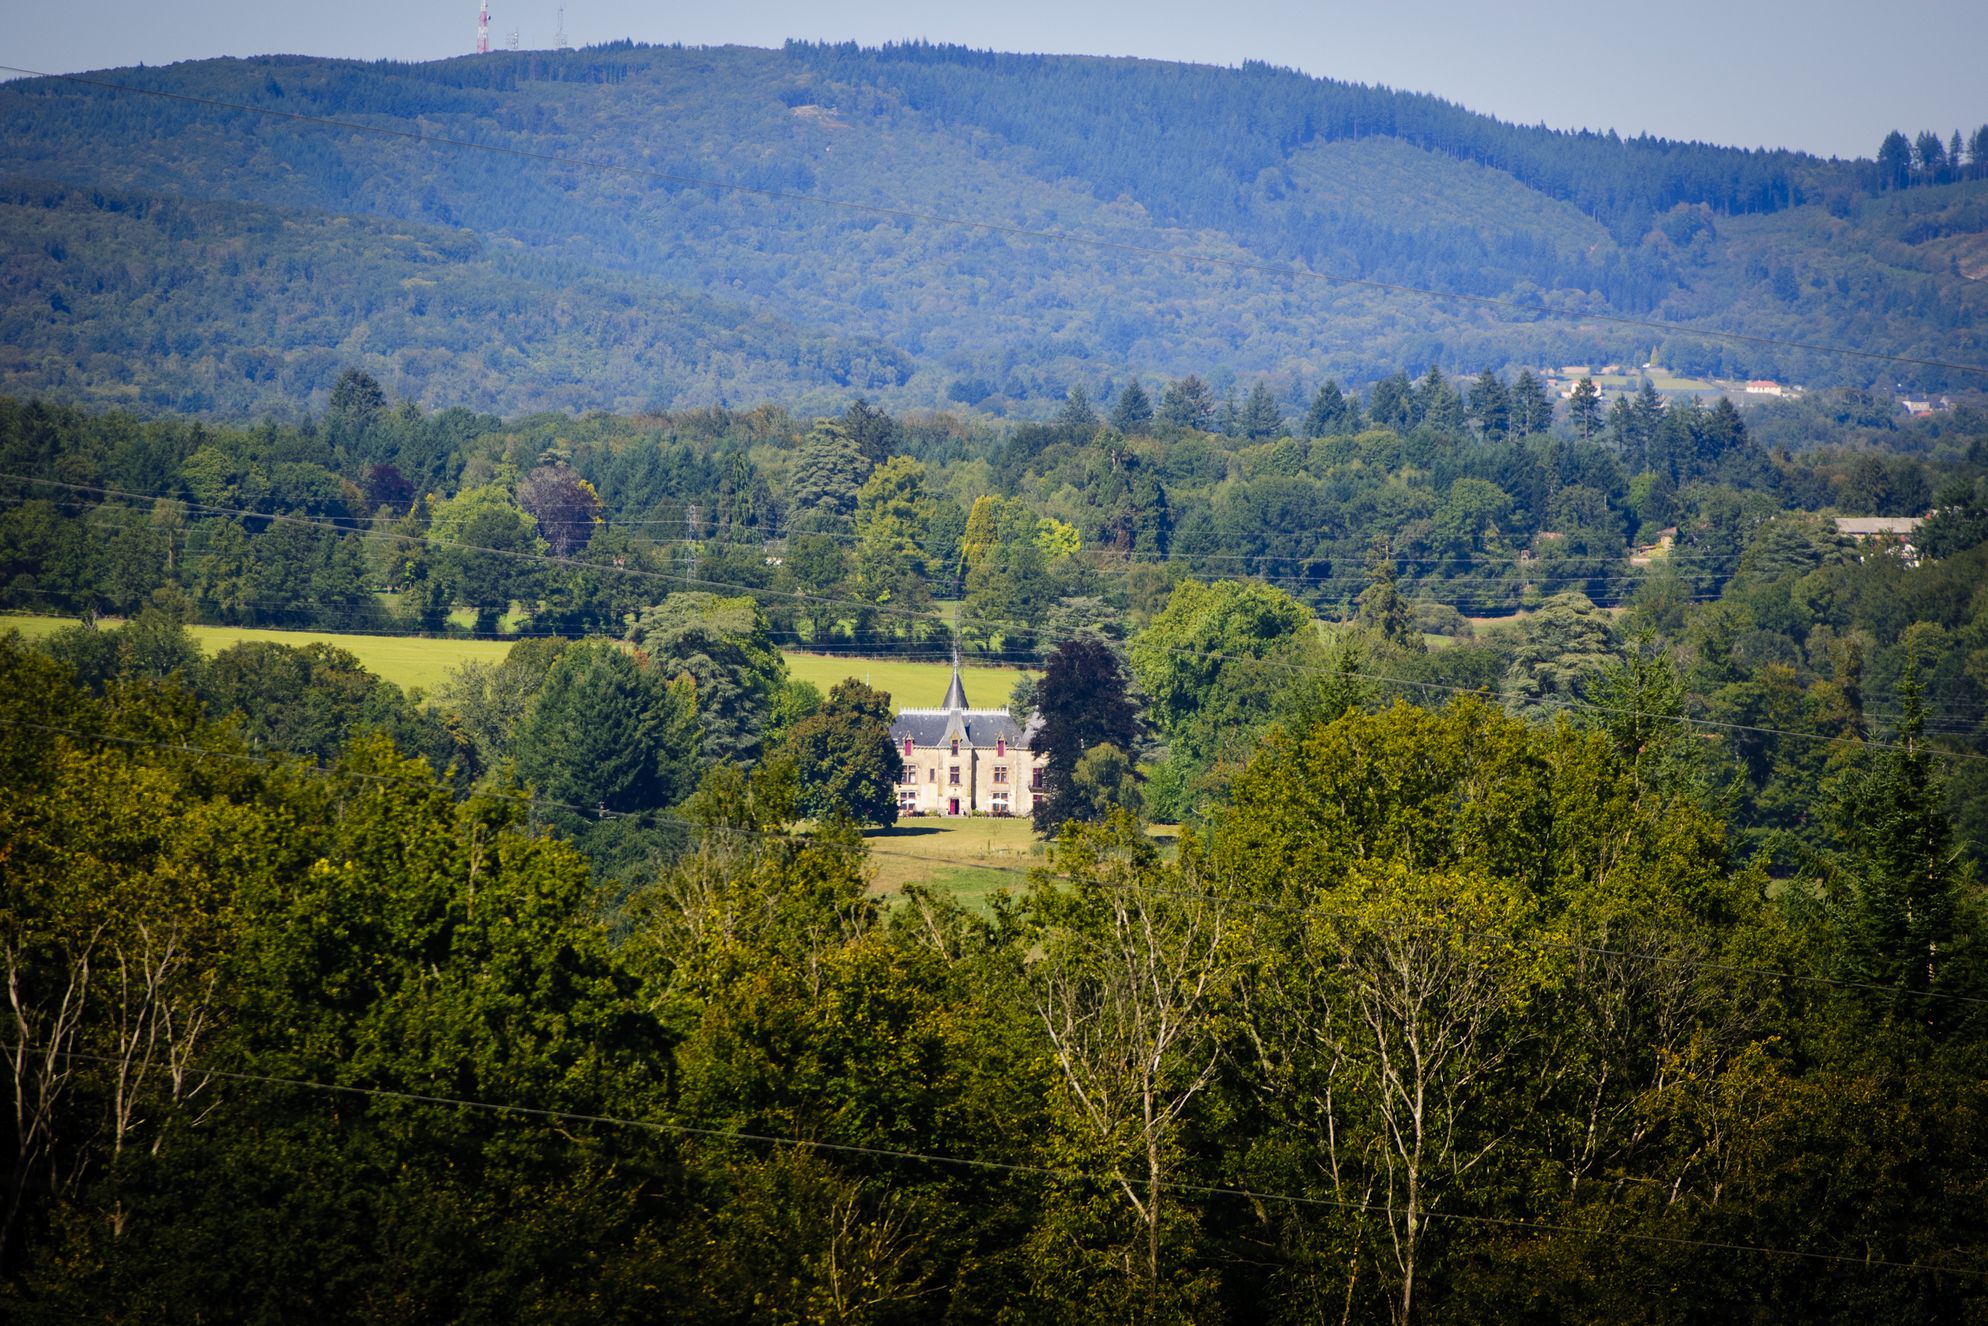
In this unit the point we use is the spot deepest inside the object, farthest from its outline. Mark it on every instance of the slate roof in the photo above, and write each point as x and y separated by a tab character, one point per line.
981	728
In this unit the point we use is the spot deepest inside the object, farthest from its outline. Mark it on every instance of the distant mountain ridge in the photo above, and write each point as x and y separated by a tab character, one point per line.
169	254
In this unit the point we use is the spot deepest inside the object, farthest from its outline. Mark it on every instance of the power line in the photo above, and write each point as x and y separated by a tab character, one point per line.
1061	1173
1003	624
1284	270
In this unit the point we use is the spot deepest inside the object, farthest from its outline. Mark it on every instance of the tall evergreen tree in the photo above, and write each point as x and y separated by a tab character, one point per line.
1901	917
1187	403
1133	411
1330	412
1532	407
1382	608
1490	406
873	431
1894	161
1077	414
1437	405
1391	404
1260	416
1584	408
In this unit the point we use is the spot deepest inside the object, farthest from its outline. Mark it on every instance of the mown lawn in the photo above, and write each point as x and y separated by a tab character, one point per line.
970	857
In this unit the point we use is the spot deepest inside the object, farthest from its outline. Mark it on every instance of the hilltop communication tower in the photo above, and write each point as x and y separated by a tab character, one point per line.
559	37
483	30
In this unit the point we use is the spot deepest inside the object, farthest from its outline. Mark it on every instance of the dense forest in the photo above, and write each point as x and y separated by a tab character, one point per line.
1612	959
212	253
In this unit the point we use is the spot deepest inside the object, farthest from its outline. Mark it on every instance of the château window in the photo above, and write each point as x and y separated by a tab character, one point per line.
1000	773
933	775
955	745
955	778
907	747
1000	745
1035	778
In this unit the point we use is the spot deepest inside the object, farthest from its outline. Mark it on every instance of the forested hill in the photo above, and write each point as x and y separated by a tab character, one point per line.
187	255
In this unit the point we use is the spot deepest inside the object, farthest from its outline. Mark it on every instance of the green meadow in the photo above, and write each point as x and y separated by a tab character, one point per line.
424	662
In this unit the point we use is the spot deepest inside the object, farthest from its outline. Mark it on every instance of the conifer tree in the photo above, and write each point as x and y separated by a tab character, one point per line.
1260	416
1187	403
1532	407
1133	412
1584	408
1490	406
1900	920
1329	411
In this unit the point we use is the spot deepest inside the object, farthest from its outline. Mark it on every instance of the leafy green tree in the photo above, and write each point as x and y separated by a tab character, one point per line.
484	548
725	646
314	700
1009	592
1083	701
485	702
1105	781
844	758
1179	659
894	516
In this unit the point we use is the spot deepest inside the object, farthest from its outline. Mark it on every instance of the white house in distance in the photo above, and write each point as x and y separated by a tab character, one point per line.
961	761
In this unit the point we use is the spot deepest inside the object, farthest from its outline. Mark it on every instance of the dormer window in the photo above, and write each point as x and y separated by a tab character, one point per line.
1000	745
955	745
907	748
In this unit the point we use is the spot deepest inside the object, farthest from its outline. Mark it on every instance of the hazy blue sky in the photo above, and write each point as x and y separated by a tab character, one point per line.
1830	76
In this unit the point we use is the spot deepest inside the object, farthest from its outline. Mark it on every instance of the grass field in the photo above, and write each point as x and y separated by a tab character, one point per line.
404	660
912	685
409	661
970	858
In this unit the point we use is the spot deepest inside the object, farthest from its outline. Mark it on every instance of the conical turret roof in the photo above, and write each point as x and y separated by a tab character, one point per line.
955	693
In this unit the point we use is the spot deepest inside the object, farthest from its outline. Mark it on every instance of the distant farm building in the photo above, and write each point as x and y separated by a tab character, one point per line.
1892	534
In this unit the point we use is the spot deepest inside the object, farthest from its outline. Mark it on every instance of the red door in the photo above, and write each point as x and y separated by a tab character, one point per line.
952	806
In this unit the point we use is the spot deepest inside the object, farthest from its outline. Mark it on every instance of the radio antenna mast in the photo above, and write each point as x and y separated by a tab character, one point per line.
559	37
483	30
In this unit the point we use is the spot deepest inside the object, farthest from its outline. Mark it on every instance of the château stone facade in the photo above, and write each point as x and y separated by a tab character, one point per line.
963	761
